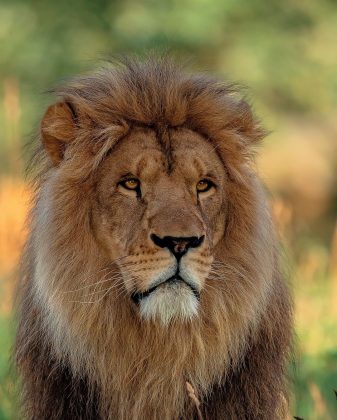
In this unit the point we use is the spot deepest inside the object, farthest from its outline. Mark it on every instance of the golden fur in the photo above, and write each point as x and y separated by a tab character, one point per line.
90	250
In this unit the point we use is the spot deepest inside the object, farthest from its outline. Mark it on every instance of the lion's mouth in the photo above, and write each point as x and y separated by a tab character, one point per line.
137	297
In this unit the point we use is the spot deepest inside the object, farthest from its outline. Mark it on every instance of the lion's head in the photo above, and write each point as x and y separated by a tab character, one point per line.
151	232
161	181
159	213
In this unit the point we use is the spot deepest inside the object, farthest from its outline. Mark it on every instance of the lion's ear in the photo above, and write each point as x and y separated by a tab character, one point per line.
58	129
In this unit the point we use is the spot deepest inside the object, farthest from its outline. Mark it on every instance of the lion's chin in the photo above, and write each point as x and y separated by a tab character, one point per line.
170	302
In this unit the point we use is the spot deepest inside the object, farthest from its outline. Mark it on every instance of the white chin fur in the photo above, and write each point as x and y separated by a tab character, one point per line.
169	302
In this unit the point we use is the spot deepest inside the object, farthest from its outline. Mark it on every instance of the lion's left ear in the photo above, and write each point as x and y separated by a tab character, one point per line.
58	129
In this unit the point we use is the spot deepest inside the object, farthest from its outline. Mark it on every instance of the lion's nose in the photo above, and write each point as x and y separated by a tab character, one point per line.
177	245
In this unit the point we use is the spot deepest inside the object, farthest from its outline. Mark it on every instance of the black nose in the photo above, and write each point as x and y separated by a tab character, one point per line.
177	245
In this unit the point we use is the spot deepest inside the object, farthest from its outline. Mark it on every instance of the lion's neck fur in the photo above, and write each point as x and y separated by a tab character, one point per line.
139	365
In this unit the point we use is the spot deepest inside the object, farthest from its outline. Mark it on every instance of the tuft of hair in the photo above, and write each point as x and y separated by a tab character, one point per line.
175	303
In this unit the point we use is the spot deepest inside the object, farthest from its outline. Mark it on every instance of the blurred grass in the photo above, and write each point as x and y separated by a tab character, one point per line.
284	51
14	198
8	384
315	373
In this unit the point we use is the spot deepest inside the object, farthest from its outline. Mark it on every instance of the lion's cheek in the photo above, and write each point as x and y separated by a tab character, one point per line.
218	230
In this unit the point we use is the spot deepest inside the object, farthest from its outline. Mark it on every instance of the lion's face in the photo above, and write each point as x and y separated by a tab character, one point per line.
145	167
159	215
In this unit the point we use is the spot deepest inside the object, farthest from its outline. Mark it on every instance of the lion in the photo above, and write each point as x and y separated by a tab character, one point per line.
150	285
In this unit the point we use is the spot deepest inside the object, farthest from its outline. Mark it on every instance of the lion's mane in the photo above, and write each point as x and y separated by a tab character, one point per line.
89	361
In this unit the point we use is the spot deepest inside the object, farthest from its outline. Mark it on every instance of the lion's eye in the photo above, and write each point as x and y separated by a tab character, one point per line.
204	185
130	184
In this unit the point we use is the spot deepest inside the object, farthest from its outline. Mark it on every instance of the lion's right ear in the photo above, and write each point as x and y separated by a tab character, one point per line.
58	129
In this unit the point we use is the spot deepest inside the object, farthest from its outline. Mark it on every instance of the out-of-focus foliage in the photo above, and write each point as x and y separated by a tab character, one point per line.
285	51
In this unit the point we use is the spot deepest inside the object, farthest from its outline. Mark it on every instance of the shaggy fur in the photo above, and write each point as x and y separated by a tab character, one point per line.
83	349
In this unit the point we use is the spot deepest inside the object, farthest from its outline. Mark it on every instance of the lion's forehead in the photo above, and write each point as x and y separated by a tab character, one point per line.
142	154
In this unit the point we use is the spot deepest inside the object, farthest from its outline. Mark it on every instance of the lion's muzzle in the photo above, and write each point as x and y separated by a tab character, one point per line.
178	246
174	280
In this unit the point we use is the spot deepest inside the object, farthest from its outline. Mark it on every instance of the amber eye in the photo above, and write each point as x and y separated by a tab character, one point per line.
130	184
204	185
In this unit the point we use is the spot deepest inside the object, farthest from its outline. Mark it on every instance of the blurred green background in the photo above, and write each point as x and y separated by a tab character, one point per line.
284	51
